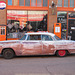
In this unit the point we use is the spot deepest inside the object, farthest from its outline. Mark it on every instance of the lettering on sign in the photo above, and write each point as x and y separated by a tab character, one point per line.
2	5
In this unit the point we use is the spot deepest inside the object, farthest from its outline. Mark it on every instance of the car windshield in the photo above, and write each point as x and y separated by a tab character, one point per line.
56	38
23	38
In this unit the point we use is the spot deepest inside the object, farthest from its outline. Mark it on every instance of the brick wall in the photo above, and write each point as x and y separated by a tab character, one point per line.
3	15
52	15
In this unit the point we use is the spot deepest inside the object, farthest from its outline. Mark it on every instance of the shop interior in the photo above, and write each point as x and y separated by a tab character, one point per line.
62	18
19	22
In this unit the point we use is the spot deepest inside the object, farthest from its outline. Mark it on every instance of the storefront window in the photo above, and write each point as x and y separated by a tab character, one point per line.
39	3
16	20
33	2
62	18
45	3
71	14
9	2
65	3
21	21
21	2
27	2
59	3
15	2
38	20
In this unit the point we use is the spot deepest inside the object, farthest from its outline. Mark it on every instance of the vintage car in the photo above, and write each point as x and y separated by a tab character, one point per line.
37	43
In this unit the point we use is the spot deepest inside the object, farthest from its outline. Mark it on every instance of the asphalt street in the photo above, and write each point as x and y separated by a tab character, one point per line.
38	65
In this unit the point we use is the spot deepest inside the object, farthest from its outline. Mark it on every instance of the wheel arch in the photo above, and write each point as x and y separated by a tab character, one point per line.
62	49
7	48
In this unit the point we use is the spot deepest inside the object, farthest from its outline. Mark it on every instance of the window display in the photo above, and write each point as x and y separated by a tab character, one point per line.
22	21
62	18
38	20
71	28
71	14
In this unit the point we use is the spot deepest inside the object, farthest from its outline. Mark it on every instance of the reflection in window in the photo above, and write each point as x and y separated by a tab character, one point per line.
71	14
62	18
15	2
59	3
33	2
46	38
45	2
56	38
38	20
65	3
19	21
9	2
39	3
34	37
71	3
21	2
23	38
27	2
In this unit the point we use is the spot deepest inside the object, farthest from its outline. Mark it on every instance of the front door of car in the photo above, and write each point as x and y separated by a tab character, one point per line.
48	47
32	46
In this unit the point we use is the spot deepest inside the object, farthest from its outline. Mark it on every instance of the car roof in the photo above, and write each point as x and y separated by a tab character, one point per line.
41	33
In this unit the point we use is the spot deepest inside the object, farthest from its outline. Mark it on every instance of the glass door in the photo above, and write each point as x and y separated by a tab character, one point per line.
71	28
71	25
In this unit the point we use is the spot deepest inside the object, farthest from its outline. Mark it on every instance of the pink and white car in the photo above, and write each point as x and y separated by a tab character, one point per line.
37	43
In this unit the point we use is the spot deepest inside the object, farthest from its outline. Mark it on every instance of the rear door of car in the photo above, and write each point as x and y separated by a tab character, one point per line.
32	46
48	44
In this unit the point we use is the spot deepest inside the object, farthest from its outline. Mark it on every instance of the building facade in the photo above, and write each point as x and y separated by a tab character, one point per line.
40	14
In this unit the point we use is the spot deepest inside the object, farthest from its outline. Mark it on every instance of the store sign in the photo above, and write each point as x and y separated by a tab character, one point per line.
57	29
2	5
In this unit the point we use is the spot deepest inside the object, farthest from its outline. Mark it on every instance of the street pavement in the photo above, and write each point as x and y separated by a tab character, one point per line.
38	65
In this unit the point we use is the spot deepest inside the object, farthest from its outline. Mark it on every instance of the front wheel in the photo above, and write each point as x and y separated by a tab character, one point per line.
8	54
61	53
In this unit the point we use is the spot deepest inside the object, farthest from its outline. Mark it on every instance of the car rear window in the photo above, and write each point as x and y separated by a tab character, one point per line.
56	38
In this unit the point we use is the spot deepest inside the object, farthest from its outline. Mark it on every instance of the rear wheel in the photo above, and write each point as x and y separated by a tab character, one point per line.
61	53
8	54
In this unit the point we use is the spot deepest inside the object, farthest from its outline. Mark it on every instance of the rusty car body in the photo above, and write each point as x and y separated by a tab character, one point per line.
37	43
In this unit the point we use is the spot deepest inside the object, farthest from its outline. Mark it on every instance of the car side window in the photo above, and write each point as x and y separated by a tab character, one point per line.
46	38
34	37
23	38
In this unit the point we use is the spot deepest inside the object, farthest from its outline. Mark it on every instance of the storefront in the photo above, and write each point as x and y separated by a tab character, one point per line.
17	21
66	16
24	15
20	13
40	15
